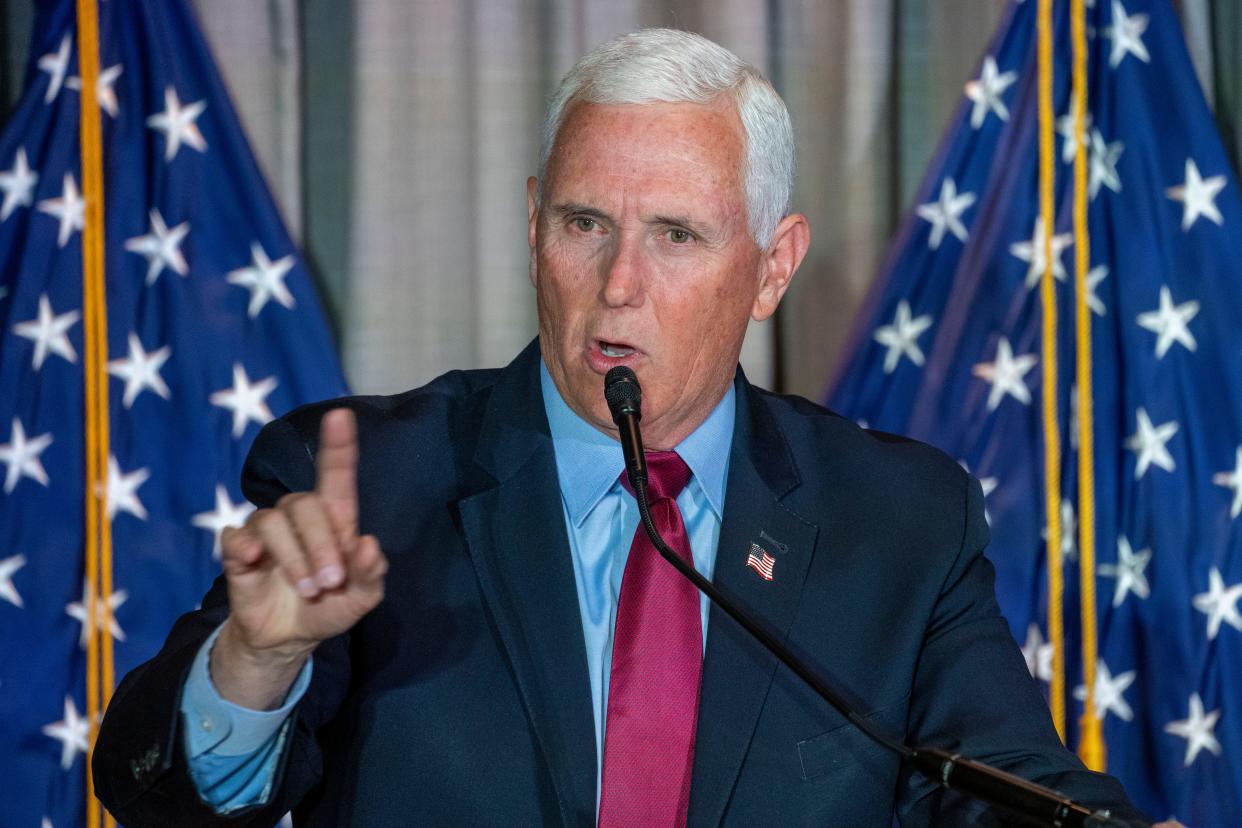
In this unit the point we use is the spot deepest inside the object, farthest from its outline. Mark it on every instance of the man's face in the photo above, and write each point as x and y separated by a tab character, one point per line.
641	256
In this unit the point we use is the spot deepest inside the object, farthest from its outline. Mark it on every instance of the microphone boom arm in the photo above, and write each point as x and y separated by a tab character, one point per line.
954	771
1044	805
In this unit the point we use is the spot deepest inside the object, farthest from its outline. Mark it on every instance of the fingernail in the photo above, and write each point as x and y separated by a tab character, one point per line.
330	576
307	587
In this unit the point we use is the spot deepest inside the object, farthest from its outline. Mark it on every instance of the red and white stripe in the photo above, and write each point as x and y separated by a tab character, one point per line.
760	561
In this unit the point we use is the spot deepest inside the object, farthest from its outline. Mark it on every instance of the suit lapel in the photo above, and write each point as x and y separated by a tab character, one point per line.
737	671
515	531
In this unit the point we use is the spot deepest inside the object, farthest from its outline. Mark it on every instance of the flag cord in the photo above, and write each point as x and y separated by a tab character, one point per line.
1052	441
1091	748
100	666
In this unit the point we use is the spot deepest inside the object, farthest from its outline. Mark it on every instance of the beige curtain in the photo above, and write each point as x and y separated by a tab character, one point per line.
398	134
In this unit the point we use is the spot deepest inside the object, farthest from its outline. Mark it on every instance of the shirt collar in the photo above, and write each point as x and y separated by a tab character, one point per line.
589	462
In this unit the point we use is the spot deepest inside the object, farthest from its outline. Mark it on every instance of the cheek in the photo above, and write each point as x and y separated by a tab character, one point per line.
563	288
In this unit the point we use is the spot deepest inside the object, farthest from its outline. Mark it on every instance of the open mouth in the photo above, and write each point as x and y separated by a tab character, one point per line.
604	355
614	350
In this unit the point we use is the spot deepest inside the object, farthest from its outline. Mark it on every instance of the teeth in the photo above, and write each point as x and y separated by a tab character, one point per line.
614	350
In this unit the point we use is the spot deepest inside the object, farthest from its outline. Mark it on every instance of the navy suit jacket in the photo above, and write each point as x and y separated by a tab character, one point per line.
463	697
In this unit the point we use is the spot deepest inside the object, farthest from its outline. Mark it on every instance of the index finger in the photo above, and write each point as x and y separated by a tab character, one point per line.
336	476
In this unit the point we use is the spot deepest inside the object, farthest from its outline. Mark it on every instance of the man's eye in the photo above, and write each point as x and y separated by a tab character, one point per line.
586	225
679	236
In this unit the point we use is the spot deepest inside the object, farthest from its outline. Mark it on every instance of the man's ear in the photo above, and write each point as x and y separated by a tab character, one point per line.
532	220
779	263
532	208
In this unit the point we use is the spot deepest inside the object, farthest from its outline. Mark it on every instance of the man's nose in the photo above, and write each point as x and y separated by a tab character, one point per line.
624	275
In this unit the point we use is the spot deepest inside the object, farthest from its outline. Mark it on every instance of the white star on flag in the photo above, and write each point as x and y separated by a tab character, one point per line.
227	514
1129	572
246	401
1065	128
987	485
1005	375
1038	655
1032	252
8	567
1198	196
1148	442
1232	480
945	213
1096	275
1219	603
161	247
1196	729
123	490
73	733
1069	532
901	337
1103	164
1169	322
1109	692
104	93
49	333
1127	36
141	371
265	279
177	124
105	613
986	90
69	209
22	457
56	64
18	185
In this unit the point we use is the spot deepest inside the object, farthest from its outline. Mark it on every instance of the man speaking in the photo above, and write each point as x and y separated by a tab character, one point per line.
445	611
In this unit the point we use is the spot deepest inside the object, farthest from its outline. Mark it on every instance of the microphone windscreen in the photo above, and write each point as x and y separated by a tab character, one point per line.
622	392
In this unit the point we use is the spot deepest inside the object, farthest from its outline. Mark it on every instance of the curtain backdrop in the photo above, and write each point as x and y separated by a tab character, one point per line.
397	136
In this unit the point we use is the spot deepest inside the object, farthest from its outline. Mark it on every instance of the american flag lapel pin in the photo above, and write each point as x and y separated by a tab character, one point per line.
759	560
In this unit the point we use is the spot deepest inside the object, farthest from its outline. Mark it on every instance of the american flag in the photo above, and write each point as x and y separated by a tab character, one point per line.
212	328
950	352
759	560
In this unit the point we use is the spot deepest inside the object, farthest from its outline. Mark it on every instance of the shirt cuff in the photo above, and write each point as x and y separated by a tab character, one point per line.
215	724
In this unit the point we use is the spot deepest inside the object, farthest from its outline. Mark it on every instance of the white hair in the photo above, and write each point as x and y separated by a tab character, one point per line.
672	66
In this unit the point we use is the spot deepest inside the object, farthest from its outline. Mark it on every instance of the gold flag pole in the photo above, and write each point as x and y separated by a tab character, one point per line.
1052	434
1091	748
99	657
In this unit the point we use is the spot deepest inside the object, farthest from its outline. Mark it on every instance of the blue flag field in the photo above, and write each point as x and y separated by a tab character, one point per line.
213	327
949	351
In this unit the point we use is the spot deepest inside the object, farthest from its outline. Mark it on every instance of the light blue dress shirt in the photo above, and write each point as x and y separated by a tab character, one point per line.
234	751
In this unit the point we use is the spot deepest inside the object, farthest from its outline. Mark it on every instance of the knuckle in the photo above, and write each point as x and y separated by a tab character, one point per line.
256	518
267	521
321	551
232	539
294	565
291	500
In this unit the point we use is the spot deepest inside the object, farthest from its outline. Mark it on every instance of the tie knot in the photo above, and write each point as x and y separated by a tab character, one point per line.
667	475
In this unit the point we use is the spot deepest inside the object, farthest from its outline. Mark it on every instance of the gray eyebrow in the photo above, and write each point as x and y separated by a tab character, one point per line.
573	208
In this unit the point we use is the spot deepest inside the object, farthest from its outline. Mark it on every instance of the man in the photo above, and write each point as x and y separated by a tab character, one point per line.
454	619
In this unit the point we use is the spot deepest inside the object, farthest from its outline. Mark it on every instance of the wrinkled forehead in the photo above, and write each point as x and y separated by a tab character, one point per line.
699	147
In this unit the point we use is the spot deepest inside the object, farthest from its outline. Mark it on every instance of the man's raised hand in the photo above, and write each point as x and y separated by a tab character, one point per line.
297	574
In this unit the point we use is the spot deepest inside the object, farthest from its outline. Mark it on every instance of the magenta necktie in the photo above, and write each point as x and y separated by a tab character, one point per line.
657	661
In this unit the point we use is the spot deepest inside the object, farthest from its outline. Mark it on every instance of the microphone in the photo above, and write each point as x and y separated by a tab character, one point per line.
950	770
625	402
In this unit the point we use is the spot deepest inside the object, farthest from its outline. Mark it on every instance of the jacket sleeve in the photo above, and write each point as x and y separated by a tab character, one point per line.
974	695
139	766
